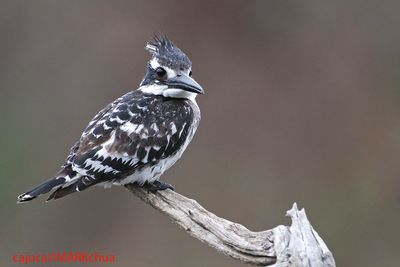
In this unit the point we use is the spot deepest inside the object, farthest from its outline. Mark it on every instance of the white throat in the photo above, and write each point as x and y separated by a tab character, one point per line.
159	89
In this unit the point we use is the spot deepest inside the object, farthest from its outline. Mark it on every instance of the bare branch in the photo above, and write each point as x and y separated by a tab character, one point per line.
297	245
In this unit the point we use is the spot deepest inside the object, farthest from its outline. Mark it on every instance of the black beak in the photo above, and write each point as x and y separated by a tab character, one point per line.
186	83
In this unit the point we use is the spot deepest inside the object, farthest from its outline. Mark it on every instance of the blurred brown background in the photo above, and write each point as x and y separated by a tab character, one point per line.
302	104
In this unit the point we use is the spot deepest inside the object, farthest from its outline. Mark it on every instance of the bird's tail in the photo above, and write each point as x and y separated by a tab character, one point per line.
63	177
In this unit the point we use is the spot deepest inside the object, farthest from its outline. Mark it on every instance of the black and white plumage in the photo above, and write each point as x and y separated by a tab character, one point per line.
136	138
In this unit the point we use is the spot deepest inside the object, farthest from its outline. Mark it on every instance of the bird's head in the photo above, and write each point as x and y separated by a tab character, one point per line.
169	72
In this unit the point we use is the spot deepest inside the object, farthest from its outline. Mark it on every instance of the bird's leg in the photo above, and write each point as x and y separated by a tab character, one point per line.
157	185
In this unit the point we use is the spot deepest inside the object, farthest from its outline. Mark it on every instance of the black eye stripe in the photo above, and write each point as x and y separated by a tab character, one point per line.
190	74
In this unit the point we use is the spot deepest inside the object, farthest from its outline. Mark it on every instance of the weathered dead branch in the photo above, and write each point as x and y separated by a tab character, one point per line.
295	245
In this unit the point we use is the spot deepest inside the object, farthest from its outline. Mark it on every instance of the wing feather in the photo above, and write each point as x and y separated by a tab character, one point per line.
135	130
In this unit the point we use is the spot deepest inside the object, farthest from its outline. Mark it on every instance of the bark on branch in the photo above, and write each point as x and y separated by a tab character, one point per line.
295	245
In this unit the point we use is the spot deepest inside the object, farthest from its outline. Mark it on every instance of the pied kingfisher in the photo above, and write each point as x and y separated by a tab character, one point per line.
136	138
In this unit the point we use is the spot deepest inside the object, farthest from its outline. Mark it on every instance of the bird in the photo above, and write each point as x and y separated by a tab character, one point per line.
137	137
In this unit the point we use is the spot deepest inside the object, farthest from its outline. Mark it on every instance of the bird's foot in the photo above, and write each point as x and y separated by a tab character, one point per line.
157	185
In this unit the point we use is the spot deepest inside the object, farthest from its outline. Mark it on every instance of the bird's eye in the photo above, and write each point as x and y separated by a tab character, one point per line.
161	73
190	74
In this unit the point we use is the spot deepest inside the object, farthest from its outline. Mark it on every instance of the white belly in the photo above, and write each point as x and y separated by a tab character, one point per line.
152	173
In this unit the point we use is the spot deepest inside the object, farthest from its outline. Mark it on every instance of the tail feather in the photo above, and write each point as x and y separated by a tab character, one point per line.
43	188
62	192
79	185
64	177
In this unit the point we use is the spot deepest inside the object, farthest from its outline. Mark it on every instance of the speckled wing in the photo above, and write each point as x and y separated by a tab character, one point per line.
133	131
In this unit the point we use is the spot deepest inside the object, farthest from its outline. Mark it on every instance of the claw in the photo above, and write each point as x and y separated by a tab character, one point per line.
157	185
